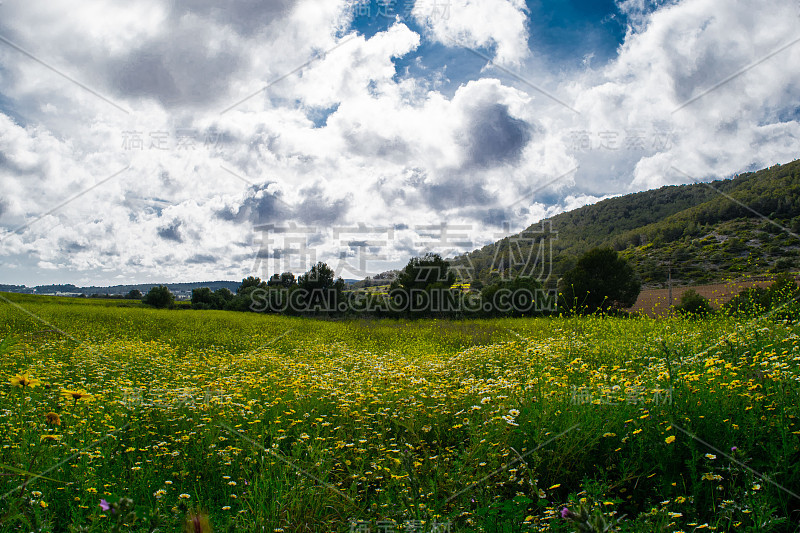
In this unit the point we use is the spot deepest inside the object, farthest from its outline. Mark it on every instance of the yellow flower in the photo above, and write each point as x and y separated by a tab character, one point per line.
24	380
53	418
670	439
78	394
49	438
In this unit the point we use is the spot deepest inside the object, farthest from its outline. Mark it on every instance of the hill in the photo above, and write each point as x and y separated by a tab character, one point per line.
703	232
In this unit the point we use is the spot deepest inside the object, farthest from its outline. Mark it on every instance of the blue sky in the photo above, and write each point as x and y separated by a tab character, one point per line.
567	32
171	141
564	34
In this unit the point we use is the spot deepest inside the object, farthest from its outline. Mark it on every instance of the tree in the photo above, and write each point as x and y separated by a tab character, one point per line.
159	297
135	294
202	298
784	264
601	280
425	285
249	284
322	291
428	272
321	276
221	297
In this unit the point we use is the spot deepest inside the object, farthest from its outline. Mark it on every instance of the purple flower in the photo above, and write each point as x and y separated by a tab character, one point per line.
734	448
565	512
104	505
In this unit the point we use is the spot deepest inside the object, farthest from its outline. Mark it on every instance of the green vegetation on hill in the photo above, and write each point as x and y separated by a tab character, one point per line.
704	232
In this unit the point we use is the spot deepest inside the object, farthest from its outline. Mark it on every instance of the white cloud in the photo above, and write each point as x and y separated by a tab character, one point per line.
681	52
478	23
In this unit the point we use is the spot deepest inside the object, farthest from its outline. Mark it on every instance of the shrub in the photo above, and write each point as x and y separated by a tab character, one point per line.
749	302
693	304
781	298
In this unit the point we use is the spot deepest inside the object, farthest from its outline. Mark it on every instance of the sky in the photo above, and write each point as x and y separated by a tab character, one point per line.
167	141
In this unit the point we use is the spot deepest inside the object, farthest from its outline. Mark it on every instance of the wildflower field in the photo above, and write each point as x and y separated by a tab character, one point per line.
115	417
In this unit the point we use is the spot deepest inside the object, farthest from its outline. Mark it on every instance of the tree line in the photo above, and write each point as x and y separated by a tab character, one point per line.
601	281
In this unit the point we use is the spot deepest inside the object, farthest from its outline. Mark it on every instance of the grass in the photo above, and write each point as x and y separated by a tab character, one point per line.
267	423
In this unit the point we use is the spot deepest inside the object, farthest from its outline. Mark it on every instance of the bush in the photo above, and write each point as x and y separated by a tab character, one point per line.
784	295
781	298
749	302
515	297
693	304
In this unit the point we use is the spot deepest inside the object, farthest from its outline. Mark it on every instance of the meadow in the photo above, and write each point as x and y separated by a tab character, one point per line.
116	417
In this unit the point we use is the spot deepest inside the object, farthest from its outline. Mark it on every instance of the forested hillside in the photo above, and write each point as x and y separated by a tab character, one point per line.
703	232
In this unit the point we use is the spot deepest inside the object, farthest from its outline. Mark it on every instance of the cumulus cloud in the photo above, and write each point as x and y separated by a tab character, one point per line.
500	24
495	137
319	207
181	68
171	232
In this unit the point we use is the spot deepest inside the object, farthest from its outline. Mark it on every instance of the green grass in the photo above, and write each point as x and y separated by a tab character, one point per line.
491	425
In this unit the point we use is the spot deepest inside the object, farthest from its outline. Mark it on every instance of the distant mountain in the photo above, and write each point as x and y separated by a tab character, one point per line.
703	232
179	289
15	288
